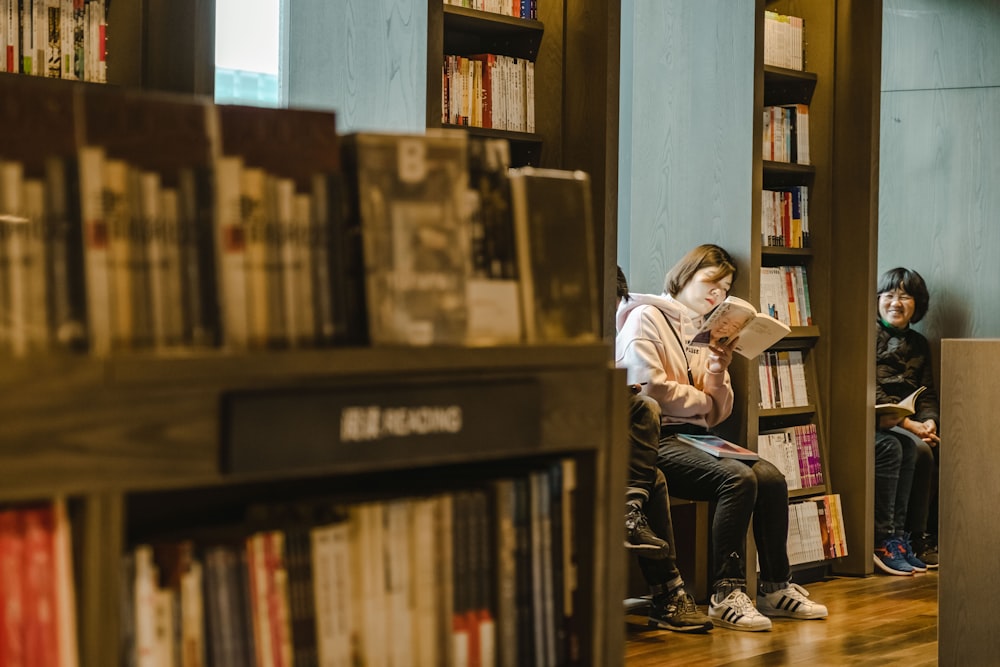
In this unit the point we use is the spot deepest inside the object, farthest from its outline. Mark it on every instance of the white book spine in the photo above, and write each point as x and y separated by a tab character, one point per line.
230	242
95	244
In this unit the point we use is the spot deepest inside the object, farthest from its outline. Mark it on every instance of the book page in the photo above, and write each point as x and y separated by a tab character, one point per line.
725	322
904	408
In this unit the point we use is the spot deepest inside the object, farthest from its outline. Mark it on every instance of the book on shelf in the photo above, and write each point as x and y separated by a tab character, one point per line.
280	202
784	294
494	312
414	224
785	217
736	317
815	531
782	379
784	40
900	409
794	450
786	134
718	447
555	250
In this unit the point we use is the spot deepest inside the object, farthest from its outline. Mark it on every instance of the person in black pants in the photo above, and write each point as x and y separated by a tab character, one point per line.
691	384
648	523
907	450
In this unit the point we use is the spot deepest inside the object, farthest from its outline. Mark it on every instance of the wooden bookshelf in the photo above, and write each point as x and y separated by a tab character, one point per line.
120	435
776	86
461	31
840	84
134	439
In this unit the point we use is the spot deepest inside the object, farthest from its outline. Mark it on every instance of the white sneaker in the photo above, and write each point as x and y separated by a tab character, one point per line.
737	612
792	602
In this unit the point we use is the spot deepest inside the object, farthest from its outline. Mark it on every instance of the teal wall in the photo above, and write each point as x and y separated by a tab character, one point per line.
364	59
686	132
939	200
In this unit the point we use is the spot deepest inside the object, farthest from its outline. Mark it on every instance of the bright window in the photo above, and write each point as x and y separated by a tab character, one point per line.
247	52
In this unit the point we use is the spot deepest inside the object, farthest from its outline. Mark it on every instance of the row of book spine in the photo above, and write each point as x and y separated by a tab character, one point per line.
794	450
816	530
480	577
525	9
490	91
784	294
785	217
37	599
175	224
784	41
782	378
786	134
61	39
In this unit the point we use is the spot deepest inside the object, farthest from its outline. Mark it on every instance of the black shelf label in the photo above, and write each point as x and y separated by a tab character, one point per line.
400	425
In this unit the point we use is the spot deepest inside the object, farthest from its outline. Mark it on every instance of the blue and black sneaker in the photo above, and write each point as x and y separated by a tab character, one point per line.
890	557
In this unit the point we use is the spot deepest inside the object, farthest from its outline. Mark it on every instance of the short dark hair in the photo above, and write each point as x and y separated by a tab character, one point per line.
707	255
622	285
910	282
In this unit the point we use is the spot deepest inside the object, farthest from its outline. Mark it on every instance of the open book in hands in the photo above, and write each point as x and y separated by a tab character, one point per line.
904	408
736	317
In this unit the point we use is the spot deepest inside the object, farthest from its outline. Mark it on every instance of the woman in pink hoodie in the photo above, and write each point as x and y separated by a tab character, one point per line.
692	386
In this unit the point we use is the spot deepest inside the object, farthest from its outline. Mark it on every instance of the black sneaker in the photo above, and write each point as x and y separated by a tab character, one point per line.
677	612
926	548
639	537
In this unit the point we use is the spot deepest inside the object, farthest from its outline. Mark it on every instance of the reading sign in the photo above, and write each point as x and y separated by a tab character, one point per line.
408	424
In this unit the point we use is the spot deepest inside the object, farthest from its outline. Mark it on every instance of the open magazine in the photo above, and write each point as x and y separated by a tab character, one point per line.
736	317
904	408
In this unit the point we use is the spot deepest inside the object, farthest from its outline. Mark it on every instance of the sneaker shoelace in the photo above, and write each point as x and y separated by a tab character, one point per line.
795	592
741	602
684	602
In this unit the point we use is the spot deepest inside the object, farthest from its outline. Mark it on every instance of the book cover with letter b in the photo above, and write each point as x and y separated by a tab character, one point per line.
717	447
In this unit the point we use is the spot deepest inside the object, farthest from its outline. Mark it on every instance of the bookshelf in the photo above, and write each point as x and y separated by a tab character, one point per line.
777	86
126	436
459	31
133	440
841	85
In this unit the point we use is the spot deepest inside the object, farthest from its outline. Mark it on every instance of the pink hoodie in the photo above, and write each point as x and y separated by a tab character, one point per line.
647	349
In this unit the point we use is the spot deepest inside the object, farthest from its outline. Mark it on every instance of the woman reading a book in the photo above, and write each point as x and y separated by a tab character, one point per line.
906	448
692	386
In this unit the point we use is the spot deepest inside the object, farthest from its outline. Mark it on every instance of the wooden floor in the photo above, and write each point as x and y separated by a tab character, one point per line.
879	620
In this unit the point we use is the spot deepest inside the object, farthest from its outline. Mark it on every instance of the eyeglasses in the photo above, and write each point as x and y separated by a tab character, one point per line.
902	297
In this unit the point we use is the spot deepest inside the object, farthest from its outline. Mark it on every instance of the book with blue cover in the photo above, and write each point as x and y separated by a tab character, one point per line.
718	447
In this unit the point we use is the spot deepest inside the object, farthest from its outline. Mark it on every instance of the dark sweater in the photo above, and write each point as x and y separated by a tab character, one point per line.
903	365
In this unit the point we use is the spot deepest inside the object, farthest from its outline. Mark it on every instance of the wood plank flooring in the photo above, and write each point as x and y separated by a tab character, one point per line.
879	620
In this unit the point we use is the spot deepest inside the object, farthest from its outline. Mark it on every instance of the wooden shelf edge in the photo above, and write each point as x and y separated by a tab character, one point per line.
771	413
783	251
464	18
217	367
782	168
510	135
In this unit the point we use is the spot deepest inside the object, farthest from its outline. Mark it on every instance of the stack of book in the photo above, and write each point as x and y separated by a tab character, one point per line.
784	294
794	451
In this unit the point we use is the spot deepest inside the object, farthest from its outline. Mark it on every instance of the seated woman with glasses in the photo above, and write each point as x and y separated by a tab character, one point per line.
692	386
906	450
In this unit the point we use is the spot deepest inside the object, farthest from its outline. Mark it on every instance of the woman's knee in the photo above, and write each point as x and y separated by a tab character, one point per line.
741	481
888	450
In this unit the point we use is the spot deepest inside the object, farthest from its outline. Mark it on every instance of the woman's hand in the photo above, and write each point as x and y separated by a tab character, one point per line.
925	430
720	356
